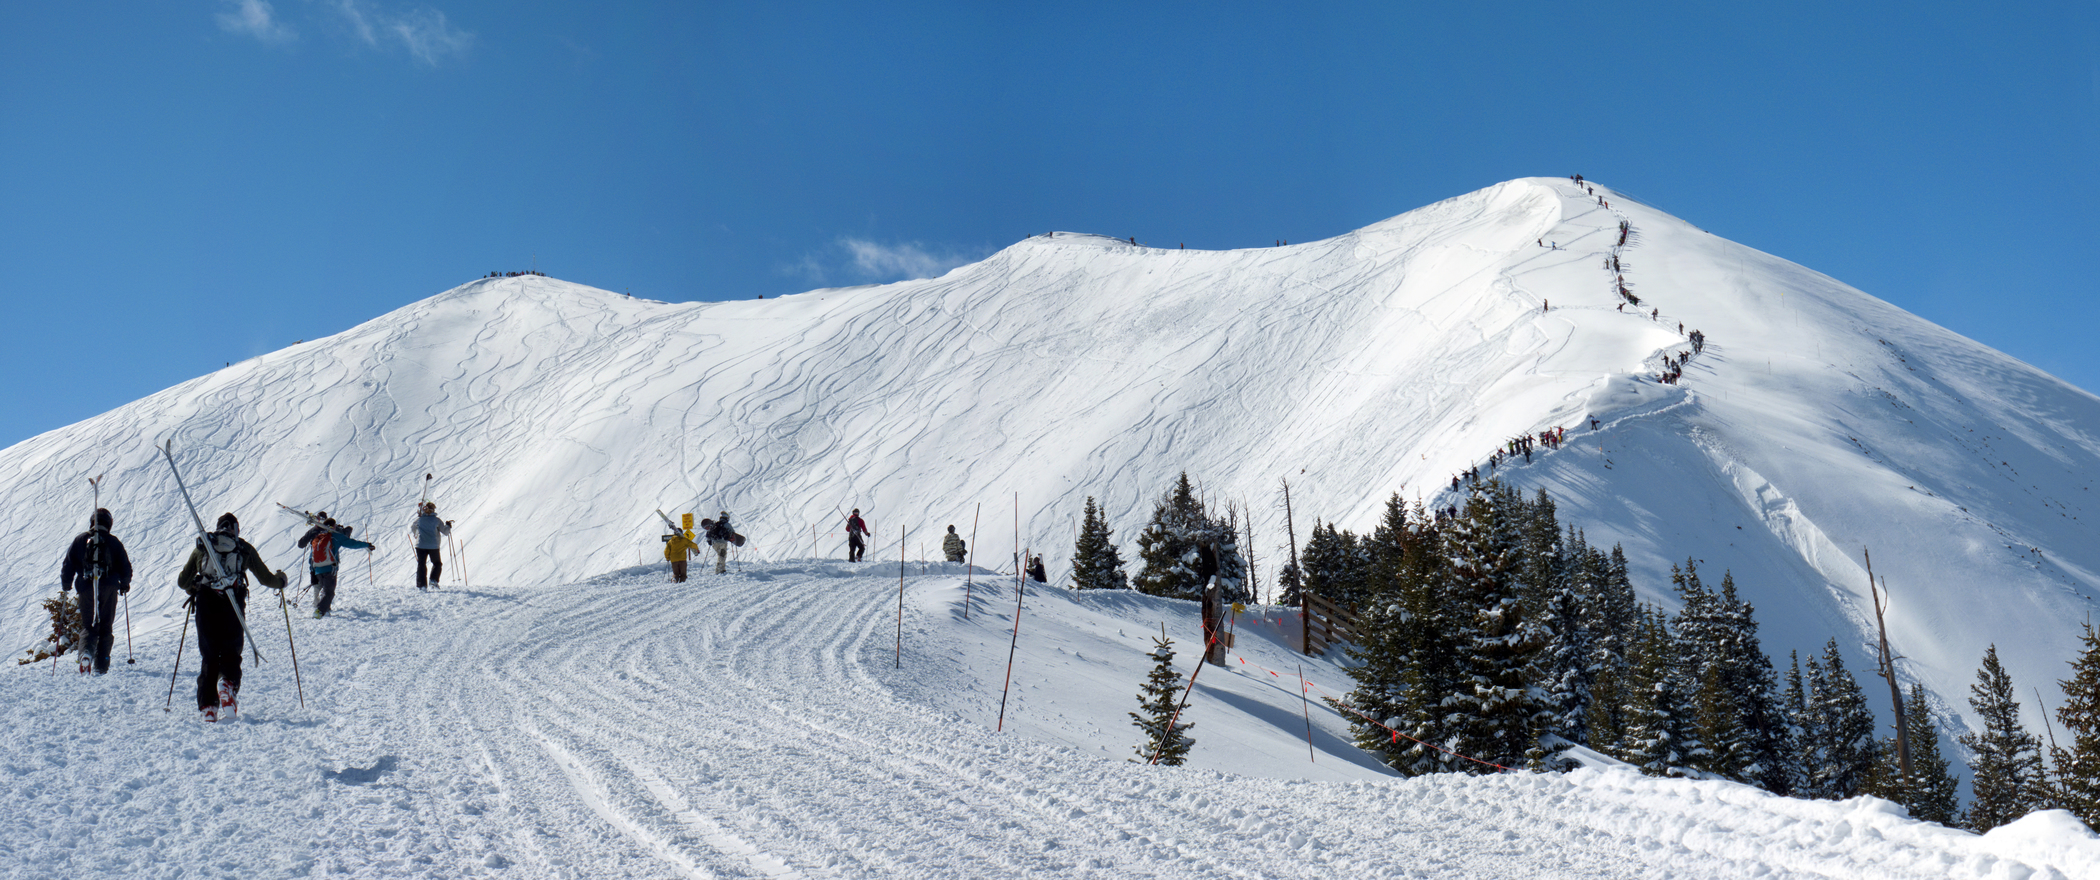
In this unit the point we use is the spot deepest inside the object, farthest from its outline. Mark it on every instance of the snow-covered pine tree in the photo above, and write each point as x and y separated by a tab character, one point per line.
1735	707
1158	698
1930	793
1563	677
1290	586
1168	548
1793	706
1660	737
1502	714
1334	565
2005	763
1095	563
1611	614
1542	566
2078	768
1437	624
1386	551
1842	753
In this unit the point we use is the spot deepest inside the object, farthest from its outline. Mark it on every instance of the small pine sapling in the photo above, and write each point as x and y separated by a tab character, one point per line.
1165	738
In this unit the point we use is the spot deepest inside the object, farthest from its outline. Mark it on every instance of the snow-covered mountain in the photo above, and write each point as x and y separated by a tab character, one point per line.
1818	421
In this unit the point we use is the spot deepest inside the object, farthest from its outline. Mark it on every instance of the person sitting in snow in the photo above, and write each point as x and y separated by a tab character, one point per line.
952	545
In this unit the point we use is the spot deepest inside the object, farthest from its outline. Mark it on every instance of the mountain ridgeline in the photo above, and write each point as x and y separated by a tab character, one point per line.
1811	421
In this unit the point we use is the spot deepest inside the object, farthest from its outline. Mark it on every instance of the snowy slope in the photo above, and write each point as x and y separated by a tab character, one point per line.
1818	422
764	724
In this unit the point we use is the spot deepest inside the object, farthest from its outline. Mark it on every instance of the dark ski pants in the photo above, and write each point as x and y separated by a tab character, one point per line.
324	591
678	570
437	566
218	645
97	616
856	546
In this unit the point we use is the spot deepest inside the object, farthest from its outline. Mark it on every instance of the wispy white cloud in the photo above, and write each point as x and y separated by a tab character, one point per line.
360	23
428	36
424	33
255	18
859	260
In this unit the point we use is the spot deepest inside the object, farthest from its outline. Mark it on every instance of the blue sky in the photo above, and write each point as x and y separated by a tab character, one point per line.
184	184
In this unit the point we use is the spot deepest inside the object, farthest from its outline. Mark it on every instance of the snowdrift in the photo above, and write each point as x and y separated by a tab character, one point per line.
1818	421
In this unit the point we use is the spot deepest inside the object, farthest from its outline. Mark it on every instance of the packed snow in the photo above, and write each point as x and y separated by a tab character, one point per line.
767	723
1817	422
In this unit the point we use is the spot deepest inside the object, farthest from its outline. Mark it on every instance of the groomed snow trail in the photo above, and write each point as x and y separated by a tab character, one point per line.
751	725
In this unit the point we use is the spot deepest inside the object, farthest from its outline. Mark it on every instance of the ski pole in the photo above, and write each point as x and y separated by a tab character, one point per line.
179	639
296	680
129	656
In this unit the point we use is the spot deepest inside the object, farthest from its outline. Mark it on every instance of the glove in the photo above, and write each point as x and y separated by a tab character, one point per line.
124	590
282	581
448	524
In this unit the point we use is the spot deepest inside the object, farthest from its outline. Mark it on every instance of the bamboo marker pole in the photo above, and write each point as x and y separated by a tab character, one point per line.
900	599
970	567
1305	703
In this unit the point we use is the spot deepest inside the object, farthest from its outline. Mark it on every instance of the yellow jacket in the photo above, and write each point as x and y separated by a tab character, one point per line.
679	547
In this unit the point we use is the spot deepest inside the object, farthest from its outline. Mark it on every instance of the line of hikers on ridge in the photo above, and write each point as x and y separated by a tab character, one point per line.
98	570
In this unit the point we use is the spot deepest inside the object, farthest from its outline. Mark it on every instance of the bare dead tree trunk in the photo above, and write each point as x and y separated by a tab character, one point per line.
1888	672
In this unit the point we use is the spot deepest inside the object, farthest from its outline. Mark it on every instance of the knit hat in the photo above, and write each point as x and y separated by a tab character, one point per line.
229	525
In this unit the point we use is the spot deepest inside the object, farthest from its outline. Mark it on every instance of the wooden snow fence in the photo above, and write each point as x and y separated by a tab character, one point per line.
1326	624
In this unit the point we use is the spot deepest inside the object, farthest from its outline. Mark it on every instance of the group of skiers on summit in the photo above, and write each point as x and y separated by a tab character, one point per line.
215	577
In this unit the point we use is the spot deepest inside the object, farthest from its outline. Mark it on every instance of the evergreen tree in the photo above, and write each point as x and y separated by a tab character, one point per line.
1095	563
1335	565
2078	768
1501	709
1930	793
1735	706
1564	676
1842	753
1290	585
1385	552
1168	547
1660	737
1159	698
2005	767
1611	614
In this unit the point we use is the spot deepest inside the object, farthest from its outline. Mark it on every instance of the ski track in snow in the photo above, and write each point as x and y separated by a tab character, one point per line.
753	725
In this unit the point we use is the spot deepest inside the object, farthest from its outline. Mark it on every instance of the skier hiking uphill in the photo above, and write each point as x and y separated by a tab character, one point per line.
720	536
856	536
324	543
953	546
679	547
427	528
98	569
220	604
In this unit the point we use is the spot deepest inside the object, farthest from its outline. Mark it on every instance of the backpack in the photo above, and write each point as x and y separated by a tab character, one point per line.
227	550
323	546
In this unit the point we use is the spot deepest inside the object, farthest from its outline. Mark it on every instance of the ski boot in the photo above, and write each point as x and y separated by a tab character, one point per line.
211	714
227	705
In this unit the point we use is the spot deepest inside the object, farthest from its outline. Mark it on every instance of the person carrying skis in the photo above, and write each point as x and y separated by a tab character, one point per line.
324	543
96	555
427	528
220	605
856	536
677	549
952	545
719	535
